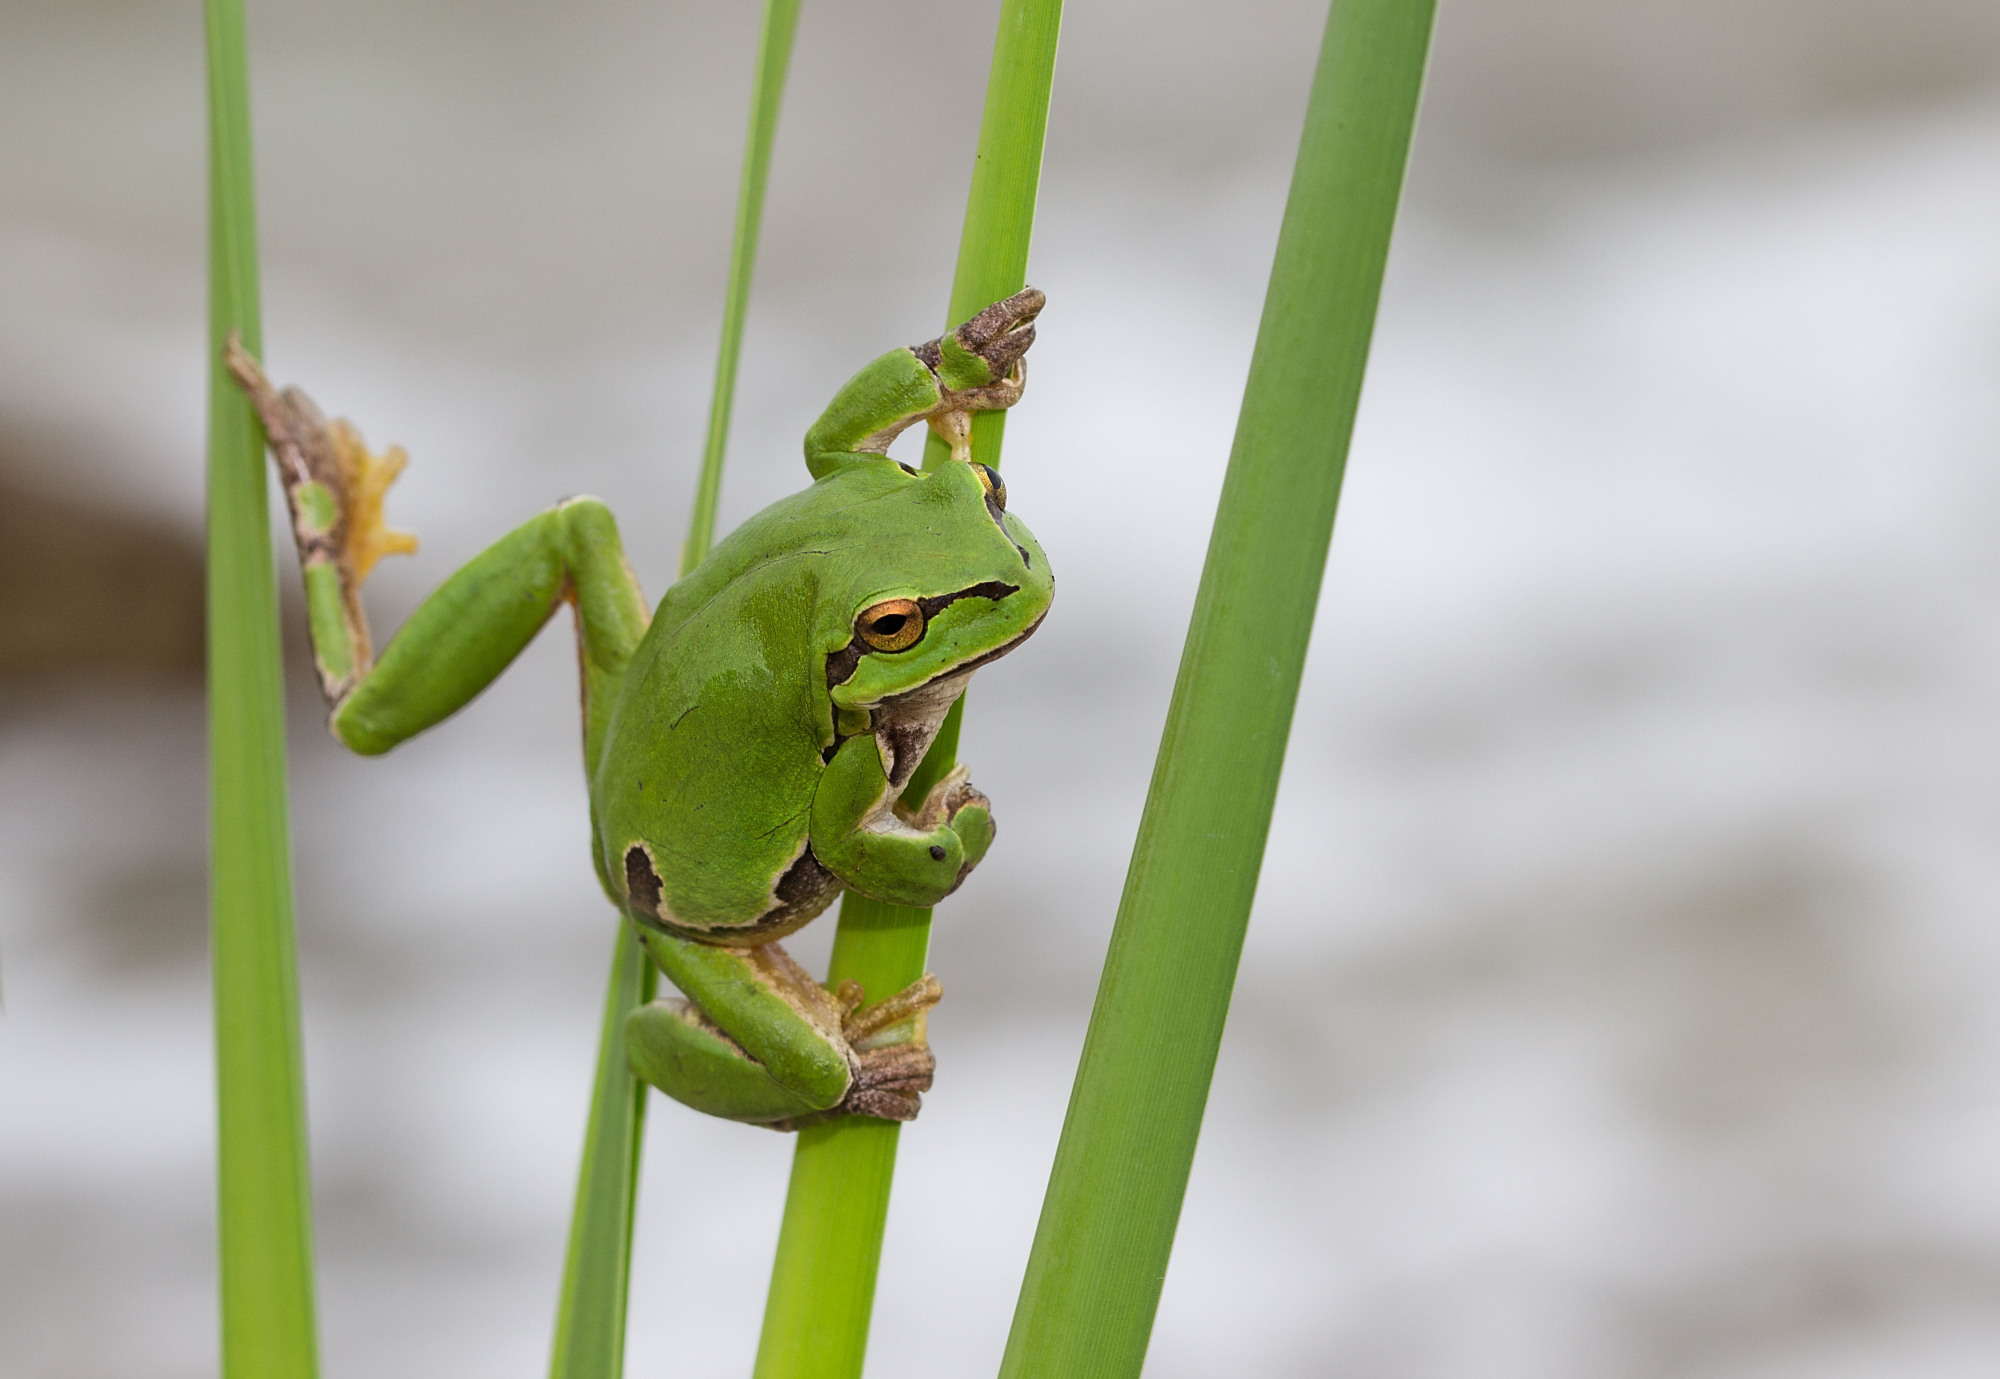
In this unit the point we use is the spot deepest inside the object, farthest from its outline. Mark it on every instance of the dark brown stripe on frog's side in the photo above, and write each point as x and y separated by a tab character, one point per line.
803	885
803	892
642	883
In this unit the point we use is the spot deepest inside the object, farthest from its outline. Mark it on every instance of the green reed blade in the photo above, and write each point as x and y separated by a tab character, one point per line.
823	1281
1107	1226
774	55
590	1314
264	1191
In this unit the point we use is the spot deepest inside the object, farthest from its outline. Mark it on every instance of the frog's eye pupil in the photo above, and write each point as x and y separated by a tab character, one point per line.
891	625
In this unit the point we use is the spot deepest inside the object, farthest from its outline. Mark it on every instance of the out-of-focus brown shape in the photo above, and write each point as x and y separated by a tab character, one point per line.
84	589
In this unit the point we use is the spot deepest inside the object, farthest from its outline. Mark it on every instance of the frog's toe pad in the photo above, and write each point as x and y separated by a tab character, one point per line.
888	1082
963	795
1002	333
974	826
364	480
883	1105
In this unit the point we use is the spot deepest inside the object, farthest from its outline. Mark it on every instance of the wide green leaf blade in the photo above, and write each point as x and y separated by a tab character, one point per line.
1107	1226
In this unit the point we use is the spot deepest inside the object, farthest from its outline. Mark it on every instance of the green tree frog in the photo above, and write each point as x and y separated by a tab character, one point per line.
748	743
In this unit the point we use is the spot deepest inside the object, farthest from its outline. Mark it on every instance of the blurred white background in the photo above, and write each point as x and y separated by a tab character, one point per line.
1623	996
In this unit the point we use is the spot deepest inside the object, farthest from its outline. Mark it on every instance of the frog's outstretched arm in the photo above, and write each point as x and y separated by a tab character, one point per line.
976	368
761	1041
476	622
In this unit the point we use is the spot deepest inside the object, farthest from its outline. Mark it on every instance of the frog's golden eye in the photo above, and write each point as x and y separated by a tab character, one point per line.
891	625
990	481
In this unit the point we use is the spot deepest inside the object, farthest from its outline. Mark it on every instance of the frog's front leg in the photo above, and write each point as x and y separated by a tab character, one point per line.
863	833
979	367
761	1041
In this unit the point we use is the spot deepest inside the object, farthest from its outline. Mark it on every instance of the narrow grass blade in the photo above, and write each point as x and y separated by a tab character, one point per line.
264	1201
590	1314
1107	1225
823	1281
774	55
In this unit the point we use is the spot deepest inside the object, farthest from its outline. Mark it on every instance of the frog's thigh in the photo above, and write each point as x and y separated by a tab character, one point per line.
858	838
674	1048
778	1022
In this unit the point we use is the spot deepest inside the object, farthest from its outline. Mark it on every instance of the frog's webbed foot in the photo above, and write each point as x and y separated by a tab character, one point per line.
365	478
976	368
889	1063
981	366
998	339
334	486
759	1040
892	1064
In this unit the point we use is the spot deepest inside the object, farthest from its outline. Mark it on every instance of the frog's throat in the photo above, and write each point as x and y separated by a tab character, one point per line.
800	895
906	724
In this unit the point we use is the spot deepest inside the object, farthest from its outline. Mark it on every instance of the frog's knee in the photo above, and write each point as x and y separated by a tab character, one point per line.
584	514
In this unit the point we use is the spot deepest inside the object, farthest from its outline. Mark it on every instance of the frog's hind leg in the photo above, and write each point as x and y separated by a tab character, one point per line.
761	1041
677	1049
476	622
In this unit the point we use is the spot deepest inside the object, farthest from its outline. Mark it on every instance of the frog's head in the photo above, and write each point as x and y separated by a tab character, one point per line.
946	581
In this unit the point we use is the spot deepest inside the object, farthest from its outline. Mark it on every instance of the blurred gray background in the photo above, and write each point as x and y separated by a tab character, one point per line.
1623	997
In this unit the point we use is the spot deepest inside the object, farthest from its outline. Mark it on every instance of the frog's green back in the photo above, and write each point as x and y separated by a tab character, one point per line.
714	752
